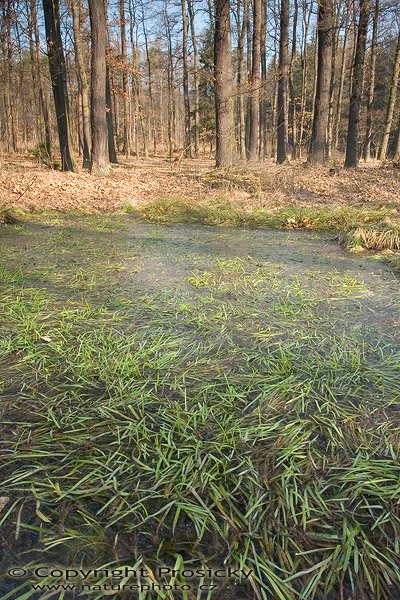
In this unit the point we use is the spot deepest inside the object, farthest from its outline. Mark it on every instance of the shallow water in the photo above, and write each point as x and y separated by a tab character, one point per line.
103	310
303	275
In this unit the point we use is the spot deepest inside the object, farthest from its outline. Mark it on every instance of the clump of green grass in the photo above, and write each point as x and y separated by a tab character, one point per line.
394	263
221	212
171	210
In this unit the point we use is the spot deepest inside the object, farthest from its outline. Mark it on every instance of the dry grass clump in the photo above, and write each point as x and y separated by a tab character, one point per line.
380	237
233	179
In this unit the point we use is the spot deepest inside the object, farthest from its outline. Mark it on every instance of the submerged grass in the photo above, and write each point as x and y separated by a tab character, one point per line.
223	419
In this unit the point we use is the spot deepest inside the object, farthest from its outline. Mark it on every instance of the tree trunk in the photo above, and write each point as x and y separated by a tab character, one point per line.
170	80
34	71
11	116
317	152
150	86
112	152
304	70
397	149
196	129
42	96
338	108
252	153
58	74
264	66
371	87
292	134
283	83
335	44
391	102
248	73
76	8
125	89
223	85
100	160
356	88
186	101
241	76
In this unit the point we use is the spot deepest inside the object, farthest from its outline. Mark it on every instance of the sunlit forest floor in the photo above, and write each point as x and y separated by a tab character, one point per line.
191	395
26	182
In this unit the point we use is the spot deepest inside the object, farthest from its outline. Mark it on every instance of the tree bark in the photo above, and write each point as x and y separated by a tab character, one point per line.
252	152
42	96
391	102
397	149
196	110
223	85
170	81
186	100
241	75
100	164
335	43
371	87
282	127
317	152
263	101
292	134
338	107
304	70
356	88
112	152
76	8
34	71
150	86
125	89
58	74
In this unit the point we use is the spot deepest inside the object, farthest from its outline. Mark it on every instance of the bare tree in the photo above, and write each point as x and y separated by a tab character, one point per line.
318	143
252	151
282	120
196	109
112	152
42	96
100	164
76	8
186	99
242	17
391	102
371	87
292	134
58	73
351	159
125	88
223	85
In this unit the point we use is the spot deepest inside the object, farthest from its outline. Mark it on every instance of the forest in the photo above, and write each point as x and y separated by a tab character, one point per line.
199	299
244	80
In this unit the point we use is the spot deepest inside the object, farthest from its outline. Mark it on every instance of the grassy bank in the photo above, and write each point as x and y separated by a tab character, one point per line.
359	226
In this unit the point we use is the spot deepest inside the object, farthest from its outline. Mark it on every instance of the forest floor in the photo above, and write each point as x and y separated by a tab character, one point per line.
182	396
27	183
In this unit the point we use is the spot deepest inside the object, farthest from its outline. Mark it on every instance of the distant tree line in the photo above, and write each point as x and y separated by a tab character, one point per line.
241	80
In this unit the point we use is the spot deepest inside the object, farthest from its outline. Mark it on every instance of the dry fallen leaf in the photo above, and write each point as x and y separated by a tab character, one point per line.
3	502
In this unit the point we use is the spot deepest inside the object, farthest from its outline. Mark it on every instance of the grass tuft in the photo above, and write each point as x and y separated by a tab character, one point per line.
381	237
